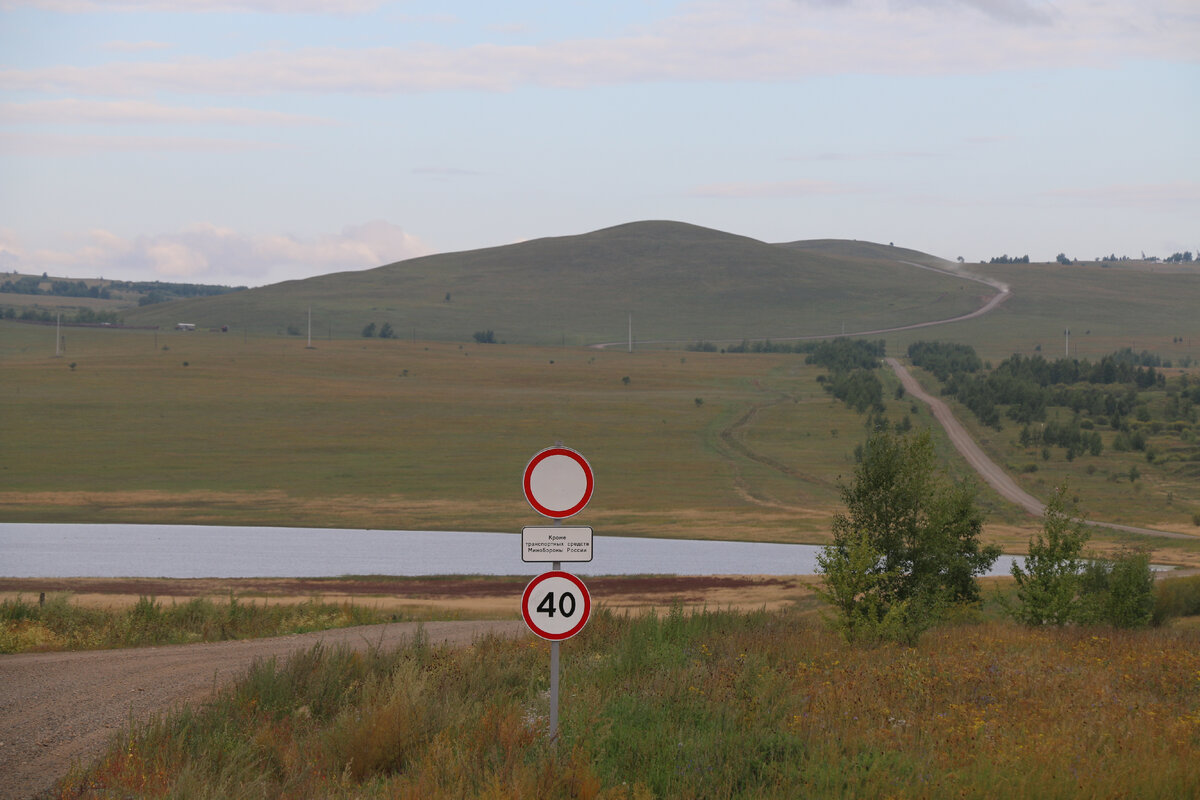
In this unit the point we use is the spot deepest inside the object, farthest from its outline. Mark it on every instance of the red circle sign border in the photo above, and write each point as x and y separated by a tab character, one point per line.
587	605
528	477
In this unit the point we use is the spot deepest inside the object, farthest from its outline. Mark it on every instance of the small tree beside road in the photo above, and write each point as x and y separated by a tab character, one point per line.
907	546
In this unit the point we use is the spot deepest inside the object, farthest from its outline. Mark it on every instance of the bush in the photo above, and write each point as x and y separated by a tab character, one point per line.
1119	592
1048	585
1176	597
907	547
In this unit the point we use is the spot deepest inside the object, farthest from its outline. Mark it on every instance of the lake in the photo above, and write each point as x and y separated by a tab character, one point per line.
29	550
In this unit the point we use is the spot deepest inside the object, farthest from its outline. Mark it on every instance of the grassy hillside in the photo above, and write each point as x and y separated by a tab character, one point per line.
145	426
871	251
1106	307
679	282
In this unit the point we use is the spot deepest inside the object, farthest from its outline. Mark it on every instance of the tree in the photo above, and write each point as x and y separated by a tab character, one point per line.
485	337
1048	586
907	545
1119	592
386	331
369	330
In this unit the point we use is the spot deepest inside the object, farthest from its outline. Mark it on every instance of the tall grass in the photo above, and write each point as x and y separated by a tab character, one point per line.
59	624
708	704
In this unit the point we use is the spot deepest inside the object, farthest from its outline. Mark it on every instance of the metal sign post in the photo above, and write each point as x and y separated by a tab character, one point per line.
556	605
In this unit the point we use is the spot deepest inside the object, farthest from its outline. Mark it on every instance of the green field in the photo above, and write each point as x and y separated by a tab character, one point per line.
252	427
169	426
1137	305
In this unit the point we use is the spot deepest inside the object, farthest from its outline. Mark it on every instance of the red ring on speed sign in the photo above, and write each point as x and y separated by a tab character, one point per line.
558	482
541	607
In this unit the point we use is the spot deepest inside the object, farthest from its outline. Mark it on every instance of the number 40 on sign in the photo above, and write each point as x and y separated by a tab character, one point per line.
556	605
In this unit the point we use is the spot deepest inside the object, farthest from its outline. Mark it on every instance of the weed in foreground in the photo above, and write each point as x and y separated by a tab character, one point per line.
707	704
59	624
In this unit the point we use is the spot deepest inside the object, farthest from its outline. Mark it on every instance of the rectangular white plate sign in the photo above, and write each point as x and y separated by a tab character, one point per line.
556	544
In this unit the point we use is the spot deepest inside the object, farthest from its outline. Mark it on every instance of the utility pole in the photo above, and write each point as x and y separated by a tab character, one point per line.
631	331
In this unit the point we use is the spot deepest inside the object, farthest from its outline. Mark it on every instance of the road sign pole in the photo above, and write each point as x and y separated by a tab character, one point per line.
558	483
554	691
556	566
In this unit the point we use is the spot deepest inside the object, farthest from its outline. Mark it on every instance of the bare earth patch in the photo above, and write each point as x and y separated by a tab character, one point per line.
426	598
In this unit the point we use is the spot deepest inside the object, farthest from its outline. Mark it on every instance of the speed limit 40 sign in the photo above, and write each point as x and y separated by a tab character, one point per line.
556	605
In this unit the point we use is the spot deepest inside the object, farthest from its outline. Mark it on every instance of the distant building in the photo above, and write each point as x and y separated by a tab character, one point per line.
185	326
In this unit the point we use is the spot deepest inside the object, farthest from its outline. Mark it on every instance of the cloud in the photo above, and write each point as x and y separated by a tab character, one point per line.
73	110
445	172
135	47
1015	12
1146	195
755	40
55	144
800	188
206	253
338	7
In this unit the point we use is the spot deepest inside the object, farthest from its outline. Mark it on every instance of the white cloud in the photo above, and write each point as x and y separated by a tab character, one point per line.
206	253
72	110
747	189
1147	195
200	6
135	47
756	40
54	144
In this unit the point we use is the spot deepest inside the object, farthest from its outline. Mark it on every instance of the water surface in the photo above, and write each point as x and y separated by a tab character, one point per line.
29	550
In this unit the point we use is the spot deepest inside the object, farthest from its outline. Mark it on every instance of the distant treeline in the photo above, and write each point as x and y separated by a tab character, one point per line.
83	316
851	364
1028	385
158	292
151	291
29	284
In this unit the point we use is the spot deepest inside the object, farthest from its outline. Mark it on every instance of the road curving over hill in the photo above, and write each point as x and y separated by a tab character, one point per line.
60	708
1003	292
991	472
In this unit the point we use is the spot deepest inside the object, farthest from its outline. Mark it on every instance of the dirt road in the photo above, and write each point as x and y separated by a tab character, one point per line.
56	708
989	470
990	302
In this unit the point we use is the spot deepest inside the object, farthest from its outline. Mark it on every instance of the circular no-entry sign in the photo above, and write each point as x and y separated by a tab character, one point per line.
558	482
556	605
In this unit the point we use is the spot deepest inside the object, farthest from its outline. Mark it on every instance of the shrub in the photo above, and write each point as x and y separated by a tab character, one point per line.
1176	597
1119	592
1048	585
907	546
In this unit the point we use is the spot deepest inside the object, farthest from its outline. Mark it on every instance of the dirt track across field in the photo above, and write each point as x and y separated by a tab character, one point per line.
58	708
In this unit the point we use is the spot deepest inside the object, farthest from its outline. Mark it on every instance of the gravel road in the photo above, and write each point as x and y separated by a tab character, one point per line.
57	708
989	470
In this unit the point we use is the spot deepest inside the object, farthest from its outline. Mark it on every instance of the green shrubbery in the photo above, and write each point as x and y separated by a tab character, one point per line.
1058	585
59	624
906	548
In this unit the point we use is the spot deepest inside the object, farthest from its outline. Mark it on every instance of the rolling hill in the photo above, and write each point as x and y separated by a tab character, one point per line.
679	282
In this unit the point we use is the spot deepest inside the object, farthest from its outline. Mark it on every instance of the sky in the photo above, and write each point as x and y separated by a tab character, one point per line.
248	142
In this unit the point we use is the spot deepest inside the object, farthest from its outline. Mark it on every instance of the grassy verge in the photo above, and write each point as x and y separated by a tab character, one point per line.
708	704
59	624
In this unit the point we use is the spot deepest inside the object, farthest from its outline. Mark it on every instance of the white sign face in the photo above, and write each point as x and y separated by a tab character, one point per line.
556	605
556	544
558	482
